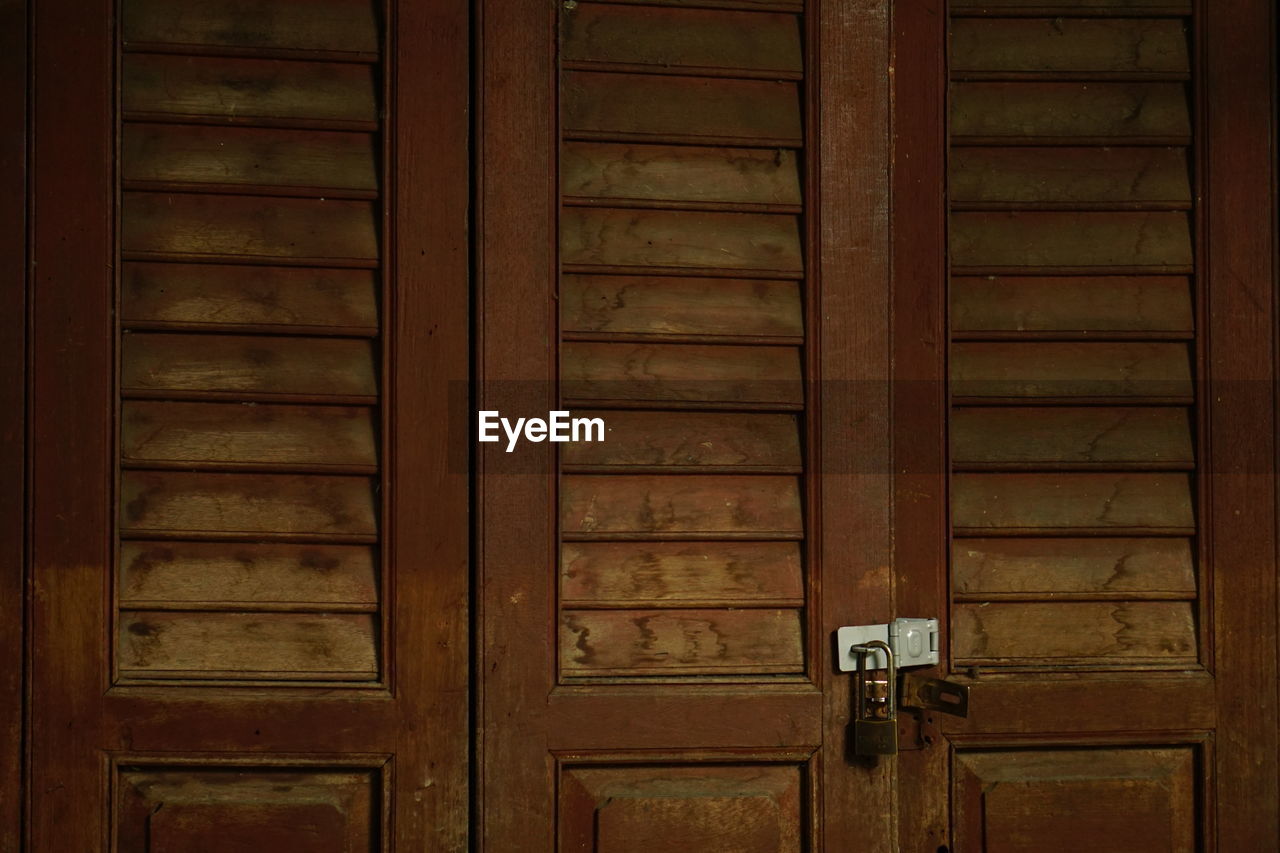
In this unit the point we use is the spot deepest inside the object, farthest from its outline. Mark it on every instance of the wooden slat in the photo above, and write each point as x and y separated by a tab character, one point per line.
1069	176
1177	7
698	306
1065	110
1047	566
1049	502
664	238
733	374
698	38
1071	303
210	295
680	504
684	642
337	25
1124	239
712	109
241	573
602	170
254	227
753	5
679	572
1071	370
1069	44
246	503
690	439
308	366
1075	436
245	646
1077	632
240	89
235	433
257	156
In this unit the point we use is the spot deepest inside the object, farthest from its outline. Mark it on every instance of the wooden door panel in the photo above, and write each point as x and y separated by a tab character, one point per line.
237	657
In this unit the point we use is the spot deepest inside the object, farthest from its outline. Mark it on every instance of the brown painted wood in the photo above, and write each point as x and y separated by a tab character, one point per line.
340	620
1071	370
208	295
1070	44
674	38
1049	436
636	439
1071	240
178	155
180	575
164	432
706	506
651	238
1048	111
315	366
163	85
658	372
17	277
656	108
1071	304
213	226
679	174
600	574
1069	177
1056	501
337	25
1059	566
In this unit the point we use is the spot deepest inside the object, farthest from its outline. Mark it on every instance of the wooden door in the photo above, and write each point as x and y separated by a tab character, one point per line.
248	575
988	338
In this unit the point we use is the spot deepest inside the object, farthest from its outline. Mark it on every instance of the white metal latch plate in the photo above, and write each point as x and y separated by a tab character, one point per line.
914	643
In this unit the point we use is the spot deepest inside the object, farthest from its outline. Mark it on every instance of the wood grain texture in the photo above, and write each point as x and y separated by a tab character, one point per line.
690	439
339	25
179	154
687	642
1170	7
675	504
303	809
657	107
687	173
246	89
1071	369
1066	110
739	806
680	306
230	575
664	238
666	38
1069	44
1077	632
1049	435
1059	800
308	366
1075	303
727	573
1069	176
1071	240
674	372
249	226
246	503
1057	565
1064	501
245	646
207	294
237	433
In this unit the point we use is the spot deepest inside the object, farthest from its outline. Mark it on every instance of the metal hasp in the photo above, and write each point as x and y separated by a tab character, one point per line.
914	642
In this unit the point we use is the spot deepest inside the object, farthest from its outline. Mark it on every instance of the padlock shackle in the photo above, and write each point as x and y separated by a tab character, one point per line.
863	651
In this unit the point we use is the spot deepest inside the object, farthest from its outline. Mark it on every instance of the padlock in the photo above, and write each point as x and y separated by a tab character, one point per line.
875	723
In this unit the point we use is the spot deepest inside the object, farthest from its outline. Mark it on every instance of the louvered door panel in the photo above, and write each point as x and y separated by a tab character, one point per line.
1074	355
682	295
250	343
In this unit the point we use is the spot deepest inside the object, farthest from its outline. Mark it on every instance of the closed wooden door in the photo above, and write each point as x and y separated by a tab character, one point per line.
959	312
248	578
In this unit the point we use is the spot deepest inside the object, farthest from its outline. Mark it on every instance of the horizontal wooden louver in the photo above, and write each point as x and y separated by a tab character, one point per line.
250	338
1073	358
682	326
